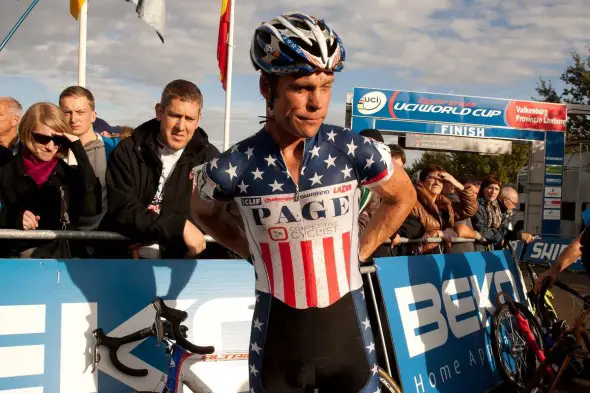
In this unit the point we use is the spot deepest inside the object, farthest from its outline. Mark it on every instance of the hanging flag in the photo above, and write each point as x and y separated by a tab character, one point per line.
222	41
152	12
75	7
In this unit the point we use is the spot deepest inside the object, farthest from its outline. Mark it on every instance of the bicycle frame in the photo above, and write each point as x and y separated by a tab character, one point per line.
367	270
179	372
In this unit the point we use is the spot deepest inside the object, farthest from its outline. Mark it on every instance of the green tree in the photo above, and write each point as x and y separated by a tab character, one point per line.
576	78
459	164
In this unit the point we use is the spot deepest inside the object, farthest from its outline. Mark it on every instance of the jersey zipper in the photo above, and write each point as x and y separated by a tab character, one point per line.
284	164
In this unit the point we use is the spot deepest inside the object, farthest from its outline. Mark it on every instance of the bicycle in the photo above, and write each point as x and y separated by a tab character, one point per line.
182	352
566	357
520	346
167	328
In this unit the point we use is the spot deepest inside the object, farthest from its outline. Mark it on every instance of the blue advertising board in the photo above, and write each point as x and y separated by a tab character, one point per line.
553	181
49	308
439	309
473	117
547	250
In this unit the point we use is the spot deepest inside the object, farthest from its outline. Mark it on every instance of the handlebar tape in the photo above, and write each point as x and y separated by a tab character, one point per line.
114	343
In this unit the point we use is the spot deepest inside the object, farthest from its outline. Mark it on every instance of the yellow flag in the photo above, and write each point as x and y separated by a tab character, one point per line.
75	6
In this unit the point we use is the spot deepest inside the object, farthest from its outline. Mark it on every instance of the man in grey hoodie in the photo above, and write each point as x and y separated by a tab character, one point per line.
78	105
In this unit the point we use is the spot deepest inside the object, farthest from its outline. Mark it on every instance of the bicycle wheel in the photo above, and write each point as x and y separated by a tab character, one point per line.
387	383
516	361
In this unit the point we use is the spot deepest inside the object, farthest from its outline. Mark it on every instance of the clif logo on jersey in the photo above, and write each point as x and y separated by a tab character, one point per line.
371	103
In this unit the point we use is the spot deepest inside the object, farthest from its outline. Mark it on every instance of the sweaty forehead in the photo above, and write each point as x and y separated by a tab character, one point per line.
315	78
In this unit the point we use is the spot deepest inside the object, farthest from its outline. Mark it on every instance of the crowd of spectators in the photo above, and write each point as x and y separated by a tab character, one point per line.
63	168
448	208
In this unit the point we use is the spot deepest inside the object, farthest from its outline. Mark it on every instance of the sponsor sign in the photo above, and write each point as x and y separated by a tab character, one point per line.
548	250
371	103
552	180
551	214
49	308
439	311
453	143
445	108
553	192
554	169
552	203
554	152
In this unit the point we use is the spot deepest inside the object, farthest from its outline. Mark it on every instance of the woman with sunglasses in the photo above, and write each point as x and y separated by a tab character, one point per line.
39	190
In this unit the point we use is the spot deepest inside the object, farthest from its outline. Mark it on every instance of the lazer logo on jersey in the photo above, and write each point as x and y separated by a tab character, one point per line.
343	188
310	211
423	309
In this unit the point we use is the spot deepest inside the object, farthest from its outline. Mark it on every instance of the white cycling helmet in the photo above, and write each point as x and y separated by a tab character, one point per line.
295	43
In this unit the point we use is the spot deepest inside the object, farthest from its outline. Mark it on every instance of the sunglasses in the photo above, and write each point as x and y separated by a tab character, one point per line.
45	139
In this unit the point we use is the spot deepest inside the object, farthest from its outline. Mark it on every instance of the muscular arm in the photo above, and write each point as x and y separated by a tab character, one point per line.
215	219
569	255
398	197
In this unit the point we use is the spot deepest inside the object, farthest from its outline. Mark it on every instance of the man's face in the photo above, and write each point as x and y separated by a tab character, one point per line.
509	201
178	122
301	103
78	113
8	119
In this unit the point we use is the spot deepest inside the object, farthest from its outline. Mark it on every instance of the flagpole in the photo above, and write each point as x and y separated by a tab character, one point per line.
230	55
83	18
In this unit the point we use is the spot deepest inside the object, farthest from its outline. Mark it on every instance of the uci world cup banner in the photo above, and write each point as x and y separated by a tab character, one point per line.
442	108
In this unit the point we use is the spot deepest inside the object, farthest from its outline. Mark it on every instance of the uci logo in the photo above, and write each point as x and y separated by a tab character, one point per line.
371	103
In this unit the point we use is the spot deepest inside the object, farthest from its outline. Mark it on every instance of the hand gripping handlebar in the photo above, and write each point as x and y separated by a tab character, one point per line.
167	324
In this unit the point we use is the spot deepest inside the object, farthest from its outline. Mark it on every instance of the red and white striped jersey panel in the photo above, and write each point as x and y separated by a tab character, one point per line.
311	273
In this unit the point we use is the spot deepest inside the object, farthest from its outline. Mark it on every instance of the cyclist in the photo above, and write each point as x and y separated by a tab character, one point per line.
296	183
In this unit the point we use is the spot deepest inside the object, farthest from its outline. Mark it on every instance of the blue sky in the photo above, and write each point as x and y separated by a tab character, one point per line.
495	48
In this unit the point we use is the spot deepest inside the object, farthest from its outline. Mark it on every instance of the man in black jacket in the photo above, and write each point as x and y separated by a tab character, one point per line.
149	176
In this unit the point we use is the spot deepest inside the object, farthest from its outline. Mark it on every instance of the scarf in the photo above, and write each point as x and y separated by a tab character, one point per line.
38	170
494	214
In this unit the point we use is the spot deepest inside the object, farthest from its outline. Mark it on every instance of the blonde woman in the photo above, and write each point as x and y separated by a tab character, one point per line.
38	190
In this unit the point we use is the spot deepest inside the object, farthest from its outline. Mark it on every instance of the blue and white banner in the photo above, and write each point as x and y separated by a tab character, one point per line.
439	309
49	308
548	249
445	108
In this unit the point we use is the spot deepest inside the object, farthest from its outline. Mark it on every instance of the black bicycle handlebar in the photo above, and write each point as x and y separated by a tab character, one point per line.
171	328
176	317
114	343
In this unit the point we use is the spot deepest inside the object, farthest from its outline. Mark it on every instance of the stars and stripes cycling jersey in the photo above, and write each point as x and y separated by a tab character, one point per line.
303	237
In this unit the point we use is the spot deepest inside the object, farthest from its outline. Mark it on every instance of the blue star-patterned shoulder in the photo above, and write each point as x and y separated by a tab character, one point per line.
370	159
219	178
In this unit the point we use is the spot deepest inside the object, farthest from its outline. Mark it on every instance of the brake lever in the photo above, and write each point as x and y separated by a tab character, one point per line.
95	357
158	324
